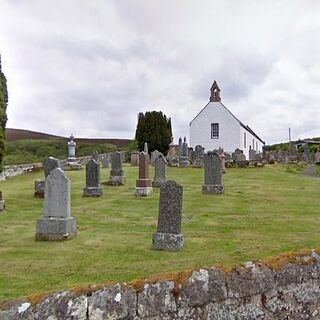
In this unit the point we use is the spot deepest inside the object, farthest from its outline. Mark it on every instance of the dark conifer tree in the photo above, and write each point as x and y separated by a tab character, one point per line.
154	128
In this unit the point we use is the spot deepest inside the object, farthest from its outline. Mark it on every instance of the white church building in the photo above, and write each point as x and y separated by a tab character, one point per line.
215	126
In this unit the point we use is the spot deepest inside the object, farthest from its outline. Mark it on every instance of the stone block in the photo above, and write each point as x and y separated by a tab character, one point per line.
55	229
167	241
213	189
116	302
116	180
143	191
92	192
156	300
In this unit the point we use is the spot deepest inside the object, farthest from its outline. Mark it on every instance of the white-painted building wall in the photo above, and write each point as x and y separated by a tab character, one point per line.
229	128
232	133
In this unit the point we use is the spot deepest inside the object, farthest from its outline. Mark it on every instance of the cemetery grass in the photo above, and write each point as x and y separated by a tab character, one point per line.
263	212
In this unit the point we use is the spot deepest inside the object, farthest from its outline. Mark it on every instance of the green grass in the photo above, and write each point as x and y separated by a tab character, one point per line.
263	212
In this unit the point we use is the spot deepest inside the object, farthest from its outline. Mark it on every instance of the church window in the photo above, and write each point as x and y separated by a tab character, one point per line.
214	130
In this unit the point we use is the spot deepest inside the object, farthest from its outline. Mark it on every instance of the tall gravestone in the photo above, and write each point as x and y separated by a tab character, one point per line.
184	156
143	184
93	186
57	222
116	177
168	235
160	169
199	153
212	174
96	157
154	156
180	146
72	162
49	164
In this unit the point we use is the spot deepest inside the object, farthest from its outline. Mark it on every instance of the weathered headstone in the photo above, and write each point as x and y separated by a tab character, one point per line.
223	163
172	150
180	146
252	154
154	156
160	168
96	157
198	161
145	148
72	162
143	184
57	222
184	156
134	160
93	187
168	235
212	174
116	173
49	164
2	203
105	162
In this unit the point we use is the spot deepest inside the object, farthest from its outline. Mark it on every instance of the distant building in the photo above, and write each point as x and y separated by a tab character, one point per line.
215	126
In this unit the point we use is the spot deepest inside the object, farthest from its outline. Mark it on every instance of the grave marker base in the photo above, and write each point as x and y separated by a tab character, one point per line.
213	189
167	241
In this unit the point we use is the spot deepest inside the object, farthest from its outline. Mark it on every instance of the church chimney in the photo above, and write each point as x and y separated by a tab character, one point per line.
215	92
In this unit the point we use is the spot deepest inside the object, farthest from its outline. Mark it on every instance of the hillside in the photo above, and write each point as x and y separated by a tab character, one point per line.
21	134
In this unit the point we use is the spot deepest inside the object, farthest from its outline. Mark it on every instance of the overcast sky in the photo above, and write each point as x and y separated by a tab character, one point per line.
88	67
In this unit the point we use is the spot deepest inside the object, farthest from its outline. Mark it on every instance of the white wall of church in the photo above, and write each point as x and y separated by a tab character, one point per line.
229	129
251	142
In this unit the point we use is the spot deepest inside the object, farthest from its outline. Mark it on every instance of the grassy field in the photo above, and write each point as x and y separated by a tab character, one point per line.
263	212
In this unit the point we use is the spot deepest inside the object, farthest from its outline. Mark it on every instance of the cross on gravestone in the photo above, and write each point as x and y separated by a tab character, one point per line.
212	174
93	187
160	169
49	164
57	222
143	184
184	157
168	235
116	177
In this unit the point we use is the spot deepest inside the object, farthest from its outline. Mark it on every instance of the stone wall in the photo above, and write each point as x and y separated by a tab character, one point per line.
254	291
20	169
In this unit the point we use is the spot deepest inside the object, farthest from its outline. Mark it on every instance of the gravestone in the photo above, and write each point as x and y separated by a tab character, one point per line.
57	222
49	164
116	173
223	163
252	154
93	187
143	184
96	157
212	174
168	235
191	155
317	157
134	160
72	162
180	146
2	203
172	150
105	162
160	168
242	162
184	156
154	156
198	161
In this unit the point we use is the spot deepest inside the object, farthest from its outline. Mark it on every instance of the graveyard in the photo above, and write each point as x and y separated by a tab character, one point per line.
262	213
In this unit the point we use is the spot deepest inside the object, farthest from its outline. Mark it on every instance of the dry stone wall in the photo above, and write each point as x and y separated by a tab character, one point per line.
251	292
